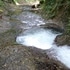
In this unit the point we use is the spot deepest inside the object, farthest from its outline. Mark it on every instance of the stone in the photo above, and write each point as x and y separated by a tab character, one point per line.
18	57
53	26
62	40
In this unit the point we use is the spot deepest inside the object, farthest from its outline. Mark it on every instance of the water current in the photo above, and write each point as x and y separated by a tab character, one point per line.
36	36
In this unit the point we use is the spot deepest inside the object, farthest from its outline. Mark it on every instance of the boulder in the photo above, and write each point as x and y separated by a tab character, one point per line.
18	57
62	40
53	26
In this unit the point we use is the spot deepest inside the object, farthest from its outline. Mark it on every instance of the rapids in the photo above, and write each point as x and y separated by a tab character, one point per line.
36	36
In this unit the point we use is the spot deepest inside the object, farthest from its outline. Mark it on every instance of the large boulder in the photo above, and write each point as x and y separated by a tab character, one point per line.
62	40
18	57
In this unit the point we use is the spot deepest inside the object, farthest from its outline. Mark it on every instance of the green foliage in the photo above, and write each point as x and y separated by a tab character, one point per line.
1	3
54	8
1	7
8	1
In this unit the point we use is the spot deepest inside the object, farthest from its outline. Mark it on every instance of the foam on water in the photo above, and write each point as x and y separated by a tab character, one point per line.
63	54
42	39
31	19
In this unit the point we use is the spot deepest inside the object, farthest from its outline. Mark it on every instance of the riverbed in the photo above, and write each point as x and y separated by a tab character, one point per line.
26	45
36	36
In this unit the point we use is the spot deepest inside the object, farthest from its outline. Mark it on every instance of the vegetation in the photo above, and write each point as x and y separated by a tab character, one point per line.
53	9
60	9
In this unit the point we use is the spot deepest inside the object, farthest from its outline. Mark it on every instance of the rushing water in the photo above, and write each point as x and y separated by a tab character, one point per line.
42	38
37	37
62	53
30	20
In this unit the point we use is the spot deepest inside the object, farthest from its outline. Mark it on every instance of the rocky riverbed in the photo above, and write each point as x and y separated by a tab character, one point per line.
20	57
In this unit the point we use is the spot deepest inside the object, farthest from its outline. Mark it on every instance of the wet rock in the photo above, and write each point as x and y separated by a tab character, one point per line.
8	38
18	57
9	29
4	24
53	26
49	65
62	40
41	2
0	16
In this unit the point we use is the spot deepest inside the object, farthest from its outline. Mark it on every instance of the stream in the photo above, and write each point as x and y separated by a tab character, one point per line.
36	36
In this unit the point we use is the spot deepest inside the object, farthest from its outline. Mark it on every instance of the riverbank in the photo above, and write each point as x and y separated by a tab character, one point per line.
59	12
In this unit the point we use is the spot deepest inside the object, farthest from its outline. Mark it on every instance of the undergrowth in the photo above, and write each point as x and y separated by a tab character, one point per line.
60	9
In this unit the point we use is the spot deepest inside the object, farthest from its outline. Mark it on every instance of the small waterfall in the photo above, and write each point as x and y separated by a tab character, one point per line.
61	53
42	38
37	37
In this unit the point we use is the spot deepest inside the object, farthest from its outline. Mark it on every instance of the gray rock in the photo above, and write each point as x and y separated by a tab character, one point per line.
62	40
18	57
53	26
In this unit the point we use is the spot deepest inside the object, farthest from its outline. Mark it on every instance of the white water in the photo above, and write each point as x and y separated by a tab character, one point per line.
30	19
44	39
41	38
62	53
